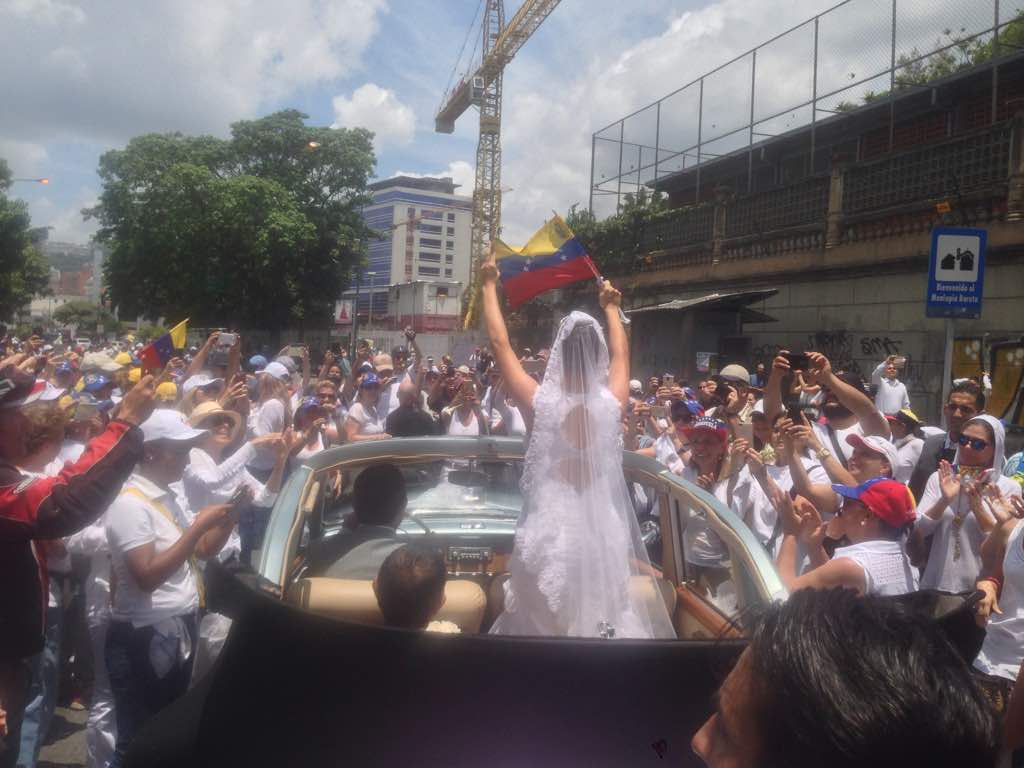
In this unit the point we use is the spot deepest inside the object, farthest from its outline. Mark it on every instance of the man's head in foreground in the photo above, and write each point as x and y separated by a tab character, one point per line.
832	679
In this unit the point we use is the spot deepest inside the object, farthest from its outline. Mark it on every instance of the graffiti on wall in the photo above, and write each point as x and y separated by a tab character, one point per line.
879	346
837	346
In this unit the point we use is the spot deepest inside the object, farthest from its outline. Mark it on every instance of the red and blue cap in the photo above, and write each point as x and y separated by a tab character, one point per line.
711	424
889	501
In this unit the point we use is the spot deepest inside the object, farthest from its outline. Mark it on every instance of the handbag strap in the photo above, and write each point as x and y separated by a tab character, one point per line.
840	456
193	564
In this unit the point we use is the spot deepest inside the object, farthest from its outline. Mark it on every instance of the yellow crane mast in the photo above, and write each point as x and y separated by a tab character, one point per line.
500	43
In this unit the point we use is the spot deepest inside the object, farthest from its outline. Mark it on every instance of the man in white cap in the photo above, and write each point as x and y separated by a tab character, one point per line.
153	551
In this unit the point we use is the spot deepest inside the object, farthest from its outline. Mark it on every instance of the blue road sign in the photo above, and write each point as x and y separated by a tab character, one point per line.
956	272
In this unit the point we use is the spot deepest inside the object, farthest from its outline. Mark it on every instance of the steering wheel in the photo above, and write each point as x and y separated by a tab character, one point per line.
420	523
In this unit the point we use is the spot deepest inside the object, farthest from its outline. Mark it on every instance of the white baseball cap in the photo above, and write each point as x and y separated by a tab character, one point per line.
287	362
878	445
277	370
169	424
202	379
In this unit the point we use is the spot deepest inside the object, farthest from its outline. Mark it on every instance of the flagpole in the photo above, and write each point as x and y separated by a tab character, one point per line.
597	275
600	284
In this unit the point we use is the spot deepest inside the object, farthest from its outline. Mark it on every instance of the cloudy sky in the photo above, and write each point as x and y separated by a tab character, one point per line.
83	77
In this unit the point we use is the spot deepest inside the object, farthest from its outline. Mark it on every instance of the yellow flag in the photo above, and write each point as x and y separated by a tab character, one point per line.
179	334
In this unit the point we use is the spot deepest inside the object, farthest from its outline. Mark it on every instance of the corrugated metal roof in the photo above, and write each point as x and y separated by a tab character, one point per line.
738	299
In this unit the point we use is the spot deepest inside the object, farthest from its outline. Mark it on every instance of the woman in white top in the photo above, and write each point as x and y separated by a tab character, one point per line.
309	428
272	415
906	436
464	417
875	517
946	512
212	477
365	421
1002	583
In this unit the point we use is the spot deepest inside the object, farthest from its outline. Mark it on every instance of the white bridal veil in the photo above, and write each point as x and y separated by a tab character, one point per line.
579	566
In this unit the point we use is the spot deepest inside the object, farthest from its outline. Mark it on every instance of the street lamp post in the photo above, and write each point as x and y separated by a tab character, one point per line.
43	180
369	318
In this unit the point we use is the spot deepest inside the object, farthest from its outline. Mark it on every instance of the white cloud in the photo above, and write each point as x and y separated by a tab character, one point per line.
25	158
461	172
379	110
65	222
43	11
125	67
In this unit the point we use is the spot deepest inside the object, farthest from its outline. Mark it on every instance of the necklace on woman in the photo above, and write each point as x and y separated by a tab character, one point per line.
966	475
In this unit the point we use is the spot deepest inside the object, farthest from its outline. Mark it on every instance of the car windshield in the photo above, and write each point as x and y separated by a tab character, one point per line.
449	489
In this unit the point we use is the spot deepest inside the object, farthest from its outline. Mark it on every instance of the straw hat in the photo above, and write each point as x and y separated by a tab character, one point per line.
205	411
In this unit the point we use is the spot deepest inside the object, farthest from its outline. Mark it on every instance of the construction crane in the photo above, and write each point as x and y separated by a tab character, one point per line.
500	42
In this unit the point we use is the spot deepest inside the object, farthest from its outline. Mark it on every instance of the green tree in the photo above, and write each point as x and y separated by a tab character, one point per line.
85	315
23	271
261	230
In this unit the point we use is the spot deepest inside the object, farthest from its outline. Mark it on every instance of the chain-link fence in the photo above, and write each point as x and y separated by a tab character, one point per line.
858	53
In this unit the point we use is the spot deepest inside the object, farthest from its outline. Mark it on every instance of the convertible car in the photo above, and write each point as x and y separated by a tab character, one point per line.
309	676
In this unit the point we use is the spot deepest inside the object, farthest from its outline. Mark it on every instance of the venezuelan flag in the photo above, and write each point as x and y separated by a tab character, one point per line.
551	259
158	352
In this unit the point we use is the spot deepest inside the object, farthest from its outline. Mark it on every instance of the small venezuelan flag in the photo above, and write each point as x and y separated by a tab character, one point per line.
551	259
158	352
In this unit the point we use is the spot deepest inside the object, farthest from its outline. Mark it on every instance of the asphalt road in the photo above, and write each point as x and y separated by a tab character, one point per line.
65	744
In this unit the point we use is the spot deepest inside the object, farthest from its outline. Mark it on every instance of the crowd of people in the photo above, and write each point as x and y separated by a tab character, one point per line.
119	483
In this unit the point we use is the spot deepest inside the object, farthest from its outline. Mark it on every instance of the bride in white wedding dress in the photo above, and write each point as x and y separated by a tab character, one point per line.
579	567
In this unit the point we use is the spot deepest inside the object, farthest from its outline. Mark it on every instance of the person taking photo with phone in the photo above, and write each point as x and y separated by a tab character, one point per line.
891	393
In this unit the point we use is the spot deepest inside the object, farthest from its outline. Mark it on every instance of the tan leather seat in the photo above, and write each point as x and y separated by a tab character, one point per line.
643	588
353	600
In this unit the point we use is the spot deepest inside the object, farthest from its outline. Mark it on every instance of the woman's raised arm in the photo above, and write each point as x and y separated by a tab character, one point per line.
517	381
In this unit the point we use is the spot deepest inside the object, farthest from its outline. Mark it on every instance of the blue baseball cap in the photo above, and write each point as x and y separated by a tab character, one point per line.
308	404
369	380
257	362
93	382
687	406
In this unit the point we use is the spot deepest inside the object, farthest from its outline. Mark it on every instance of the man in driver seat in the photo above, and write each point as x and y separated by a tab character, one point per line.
378	506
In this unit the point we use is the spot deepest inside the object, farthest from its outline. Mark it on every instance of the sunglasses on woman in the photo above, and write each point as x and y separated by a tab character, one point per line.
220	421
976	443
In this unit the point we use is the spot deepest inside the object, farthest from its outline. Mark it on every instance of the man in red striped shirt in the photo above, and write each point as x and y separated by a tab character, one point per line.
34	509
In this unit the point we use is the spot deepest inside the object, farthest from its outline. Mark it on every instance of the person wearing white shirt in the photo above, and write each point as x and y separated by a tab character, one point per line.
759	479
503	416
891	396
213	477
848	411
272	415
876	516
100	728
953	514
365	420
153	549
909	442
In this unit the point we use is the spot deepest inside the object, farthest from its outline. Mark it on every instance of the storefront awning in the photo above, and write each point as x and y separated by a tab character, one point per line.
739	301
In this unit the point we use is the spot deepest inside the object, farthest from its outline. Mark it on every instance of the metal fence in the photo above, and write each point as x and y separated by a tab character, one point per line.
858	52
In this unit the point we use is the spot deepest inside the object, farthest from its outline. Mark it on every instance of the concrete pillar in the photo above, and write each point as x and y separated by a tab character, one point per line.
834	218
1015	192
722	195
